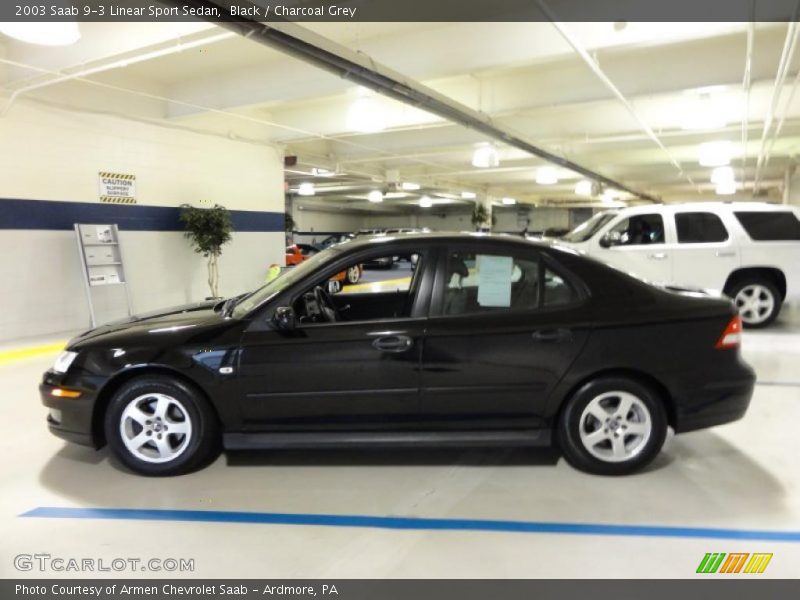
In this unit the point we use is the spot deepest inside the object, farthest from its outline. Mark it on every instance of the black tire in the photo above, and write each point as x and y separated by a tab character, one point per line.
188	405
568	432
766	288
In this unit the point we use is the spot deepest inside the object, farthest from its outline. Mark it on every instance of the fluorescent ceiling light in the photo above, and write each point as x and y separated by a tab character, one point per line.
726	188
366	116
318	172
410	186
425	202
546	176
44	34
469	195
715	154
485	157
509	201
306	189
722	175
375	196
583	188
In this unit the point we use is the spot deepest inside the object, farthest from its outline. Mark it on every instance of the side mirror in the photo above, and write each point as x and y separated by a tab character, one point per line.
284	318
612	238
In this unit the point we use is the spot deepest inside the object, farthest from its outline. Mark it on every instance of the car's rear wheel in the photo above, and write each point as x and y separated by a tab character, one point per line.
612	426
758	301
353	275
158	425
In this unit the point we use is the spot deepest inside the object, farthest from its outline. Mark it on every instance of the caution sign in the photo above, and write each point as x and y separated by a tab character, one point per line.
118	188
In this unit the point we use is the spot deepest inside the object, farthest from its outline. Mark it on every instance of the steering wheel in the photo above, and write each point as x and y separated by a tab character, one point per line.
326	305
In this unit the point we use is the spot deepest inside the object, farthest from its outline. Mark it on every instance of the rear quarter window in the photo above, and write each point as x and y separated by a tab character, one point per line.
772	226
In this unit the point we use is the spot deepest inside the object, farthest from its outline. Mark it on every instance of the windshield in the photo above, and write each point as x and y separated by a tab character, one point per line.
283	281
588	228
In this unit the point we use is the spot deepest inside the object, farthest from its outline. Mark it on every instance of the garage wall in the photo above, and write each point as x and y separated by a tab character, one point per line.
49	156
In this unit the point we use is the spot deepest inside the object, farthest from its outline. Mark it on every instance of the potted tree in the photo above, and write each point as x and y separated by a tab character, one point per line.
208	229
480	216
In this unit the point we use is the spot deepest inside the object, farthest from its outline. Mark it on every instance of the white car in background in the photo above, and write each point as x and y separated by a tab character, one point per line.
748	251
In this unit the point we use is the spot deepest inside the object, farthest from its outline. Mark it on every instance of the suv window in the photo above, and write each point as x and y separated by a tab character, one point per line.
639	230
700	228
770	226
477	283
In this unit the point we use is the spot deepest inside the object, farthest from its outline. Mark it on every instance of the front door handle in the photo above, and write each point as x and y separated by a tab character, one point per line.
393	343
657	255
552	335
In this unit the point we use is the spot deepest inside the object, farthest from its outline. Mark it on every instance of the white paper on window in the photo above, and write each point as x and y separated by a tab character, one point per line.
494	280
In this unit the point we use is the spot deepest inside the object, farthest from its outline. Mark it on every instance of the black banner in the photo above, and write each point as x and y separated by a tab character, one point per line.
399	589
397	10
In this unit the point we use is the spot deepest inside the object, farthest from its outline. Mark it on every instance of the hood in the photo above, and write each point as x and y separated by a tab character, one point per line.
167	320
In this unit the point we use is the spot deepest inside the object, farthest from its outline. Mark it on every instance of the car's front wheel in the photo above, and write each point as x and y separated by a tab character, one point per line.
758	301
612	426
158	425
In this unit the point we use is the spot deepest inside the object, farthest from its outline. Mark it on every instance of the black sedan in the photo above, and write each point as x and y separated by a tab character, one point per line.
491	340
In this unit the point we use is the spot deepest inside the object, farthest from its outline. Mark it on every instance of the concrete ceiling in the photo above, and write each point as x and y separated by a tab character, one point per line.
524	75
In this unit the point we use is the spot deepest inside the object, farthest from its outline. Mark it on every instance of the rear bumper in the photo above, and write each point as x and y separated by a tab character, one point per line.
69	418
715	403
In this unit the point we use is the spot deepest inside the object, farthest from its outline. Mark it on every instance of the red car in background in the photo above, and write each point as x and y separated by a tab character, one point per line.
297	253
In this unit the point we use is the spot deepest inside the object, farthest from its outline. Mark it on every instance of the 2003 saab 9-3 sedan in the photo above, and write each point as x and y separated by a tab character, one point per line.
490	340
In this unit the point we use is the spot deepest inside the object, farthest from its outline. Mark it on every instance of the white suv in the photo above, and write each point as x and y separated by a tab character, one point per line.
749	251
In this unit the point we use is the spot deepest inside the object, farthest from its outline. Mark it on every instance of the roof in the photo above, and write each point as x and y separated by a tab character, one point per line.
444	236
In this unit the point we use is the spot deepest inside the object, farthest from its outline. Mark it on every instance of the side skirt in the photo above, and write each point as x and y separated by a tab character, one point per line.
256	441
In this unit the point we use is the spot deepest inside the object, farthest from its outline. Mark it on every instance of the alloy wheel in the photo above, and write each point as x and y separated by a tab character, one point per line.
353	274
615	426
755	303
155	428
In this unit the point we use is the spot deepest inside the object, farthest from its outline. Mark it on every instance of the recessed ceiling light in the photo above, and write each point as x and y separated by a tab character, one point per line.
722	174
546	176
715	154
366	116
375	196
410	186
509	201
306	189
44	34
610	195
726	188
583	188
485	157
425	202
469	195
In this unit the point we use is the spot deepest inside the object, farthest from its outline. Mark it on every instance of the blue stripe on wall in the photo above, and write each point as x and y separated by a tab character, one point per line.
411	523
62	215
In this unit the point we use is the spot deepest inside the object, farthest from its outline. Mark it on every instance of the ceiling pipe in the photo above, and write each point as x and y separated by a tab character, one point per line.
116	64
595	68
780	77
362	70
746	86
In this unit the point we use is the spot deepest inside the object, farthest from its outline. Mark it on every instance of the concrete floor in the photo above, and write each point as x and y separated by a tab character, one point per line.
742	476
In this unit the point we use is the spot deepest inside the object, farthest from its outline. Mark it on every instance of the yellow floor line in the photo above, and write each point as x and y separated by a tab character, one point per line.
7	356
375	285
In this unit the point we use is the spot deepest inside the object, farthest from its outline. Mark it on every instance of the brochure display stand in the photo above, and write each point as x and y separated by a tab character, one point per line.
101	258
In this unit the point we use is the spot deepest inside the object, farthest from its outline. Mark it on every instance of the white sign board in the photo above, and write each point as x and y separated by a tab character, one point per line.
117	187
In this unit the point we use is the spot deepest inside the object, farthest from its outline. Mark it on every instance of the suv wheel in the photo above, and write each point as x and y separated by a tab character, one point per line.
353	275
758	301
612	426
157	425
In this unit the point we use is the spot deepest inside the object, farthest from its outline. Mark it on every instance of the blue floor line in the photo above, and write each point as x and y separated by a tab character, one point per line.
410	523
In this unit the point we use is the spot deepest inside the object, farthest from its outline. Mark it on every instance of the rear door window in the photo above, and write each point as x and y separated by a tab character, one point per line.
770	226
700	228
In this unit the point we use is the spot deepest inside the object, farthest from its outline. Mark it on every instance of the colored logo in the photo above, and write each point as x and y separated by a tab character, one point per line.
735	562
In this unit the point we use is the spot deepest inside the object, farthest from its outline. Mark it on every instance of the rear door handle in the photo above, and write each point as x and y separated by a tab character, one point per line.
552	335
393	343
657	255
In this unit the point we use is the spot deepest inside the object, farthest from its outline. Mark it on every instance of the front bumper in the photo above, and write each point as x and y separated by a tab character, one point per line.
69	418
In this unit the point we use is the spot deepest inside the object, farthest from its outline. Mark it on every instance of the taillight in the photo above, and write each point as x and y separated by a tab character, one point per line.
732	336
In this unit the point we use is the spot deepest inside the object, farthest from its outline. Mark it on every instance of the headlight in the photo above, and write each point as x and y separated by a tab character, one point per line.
63	361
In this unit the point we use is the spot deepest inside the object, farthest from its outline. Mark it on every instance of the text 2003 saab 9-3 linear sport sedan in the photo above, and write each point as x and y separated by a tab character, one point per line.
491	340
